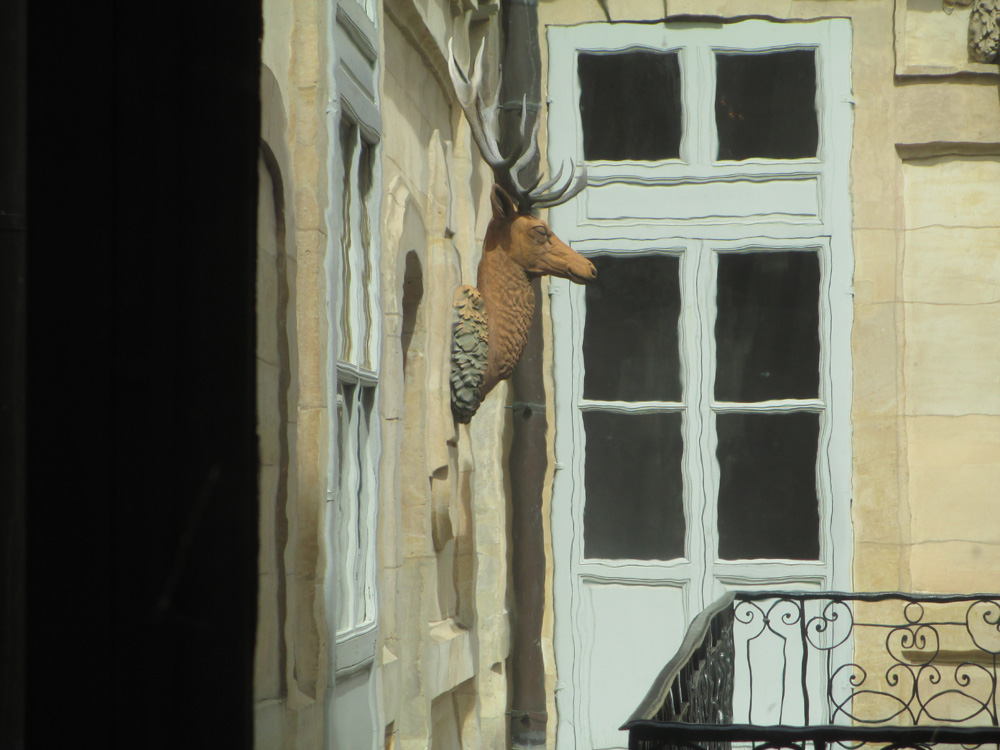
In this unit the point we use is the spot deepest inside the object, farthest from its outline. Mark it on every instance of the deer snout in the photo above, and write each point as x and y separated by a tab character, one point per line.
582	271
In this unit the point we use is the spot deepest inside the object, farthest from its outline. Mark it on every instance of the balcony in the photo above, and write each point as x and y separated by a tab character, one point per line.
778	669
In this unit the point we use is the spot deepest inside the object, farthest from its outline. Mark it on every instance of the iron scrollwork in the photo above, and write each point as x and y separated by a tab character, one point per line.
793	670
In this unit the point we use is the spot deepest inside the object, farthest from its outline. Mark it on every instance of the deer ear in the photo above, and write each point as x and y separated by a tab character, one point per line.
503	205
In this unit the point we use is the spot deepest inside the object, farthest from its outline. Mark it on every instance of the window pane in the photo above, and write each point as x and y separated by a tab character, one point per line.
634	508
767	329
366	163
765	105
346	507
364	572
631	349
348	142
767	492
630	105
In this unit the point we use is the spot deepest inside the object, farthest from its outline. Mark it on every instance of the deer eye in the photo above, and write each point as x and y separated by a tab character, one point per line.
540	234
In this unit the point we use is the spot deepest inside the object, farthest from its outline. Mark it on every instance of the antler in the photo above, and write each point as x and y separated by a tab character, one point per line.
482	117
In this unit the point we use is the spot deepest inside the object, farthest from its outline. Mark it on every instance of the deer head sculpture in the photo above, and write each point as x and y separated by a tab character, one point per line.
493	318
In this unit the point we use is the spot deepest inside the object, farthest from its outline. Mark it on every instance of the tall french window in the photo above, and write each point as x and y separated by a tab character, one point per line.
703	380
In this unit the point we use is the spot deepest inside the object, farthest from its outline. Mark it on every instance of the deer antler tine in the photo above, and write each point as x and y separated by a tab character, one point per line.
531	188
542	197
480	114
570	190
541	189
526	153
461	82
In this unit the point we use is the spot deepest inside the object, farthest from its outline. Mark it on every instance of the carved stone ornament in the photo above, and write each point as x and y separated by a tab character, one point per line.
984	31
469	350
950	5
491	320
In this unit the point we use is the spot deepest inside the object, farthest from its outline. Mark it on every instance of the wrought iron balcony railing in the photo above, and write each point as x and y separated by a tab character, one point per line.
778	669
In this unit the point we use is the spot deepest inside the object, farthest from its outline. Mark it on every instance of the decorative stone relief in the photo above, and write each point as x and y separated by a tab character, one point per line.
984	31
469	349
950	5
518	247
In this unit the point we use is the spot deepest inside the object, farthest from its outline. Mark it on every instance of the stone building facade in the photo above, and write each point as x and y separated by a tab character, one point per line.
386	604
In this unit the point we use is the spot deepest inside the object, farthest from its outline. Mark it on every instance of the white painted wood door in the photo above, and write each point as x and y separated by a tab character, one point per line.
685	466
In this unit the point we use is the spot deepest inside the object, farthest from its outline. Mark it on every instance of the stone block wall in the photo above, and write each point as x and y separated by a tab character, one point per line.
443	510
951	369
292	653
438	679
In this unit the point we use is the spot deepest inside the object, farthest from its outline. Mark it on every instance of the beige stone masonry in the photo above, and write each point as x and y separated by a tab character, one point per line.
952	368
290	670
955	476
931	41
443	501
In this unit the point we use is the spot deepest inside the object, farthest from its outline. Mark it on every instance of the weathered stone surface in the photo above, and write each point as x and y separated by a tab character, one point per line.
875	259
968	182
449	657
879	567
954	476
957	265
875	511
952	360
875	366
957	566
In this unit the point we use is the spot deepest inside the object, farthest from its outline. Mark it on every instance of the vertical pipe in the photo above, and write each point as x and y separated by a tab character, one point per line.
522	79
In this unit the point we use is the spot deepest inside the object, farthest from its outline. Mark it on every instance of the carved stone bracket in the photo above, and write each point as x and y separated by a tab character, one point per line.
469	348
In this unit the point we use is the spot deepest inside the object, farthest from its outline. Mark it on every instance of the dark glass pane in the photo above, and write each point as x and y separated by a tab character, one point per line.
634	506
630	105
366	179
630	340
765	105
767	329
767	492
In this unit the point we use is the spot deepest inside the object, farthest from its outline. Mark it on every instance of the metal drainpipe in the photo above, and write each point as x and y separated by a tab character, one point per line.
521	60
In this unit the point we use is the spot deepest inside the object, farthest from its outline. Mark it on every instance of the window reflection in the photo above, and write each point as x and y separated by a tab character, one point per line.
768	506
630	105
765	105
634	508
631	347
767	328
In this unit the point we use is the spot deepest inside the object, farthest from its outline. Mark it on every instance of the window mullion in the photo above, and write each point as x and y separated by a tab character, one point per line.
699	143
709	469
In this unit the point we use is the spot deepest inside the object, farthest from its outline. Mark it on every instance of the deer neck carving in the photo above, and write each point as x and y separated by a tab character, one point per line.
492	321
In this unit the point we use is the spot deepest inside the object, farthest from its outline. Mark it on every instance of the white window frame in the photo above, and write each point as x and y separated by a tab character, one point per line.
829	229
355	447
622	211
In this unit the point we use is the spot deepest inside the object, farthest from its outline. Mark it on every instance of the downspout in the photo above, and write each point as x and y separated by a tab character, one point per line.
521	59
